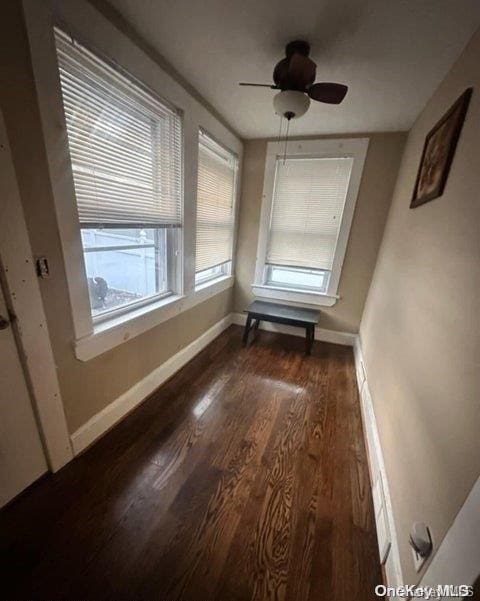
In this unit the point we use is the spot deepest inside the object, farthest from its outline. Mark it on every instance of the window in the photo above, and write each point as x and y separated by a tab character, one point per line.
308	204
212	273
296	277
125	148
308	200
217	169
142	256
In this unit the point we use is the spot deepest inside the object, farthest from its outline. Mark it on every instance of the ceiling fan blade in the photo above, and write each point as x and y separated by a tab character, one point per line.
301	71
259	85
331	93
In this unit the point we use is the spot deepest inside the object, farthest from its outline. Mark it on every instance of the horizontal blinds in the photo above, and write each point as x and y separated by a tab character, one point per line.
125	144
308	201
215	204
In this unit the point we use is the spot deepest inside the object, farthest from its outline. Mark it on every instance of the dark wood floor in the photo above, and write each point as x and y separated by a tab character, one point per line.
244	477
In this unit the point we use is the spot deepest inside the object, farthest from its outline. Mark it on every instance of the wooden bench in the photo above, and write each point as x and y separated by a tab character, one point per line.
285	314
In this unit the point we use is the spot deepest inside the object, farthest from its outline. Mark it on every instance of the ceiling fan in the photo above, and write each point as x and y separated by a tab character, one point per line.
294	76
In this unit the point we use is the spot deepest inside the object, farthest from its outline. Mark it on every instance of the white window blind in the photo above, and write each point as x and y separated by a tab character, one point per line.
125	144
307	208
215	204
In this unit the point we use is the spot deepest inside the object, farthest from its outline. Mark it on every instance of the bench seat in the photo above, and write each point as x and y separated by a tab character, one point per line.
260	311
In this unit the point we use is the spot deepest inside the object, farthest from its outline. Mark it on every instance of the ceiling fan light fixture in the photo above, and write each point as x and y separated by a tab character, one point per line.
291	104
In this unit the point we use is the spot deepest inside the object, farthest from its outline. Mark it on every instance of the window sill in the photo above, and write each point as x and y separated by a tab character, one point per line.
110	333
305	297
213	282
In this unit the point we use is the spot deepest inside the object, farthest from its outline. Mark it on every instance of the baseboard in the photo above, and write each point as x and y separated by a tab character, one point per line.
345	338
457	560
113	413
393	568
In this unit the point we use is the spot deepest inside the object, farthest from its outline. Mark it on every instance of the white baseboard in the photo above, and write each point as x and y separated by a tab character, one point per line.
345	338
457	560
113	413
393	568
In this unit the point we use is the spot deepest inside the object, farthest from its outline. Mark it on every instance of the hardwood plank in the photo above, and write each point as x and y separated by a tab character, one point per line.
243	477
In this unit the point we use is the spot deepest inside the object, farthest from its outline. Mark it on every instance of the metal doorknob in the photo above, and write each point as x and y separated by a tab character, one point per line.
4	323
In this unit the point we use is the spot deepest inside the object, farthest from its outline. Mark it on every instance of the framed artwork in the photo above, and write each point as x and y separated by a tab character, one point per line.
438	152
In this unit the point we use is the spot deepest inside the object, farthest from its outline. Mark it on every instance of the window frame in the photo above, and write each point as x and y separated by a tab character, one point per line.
172	234
269	267
174	240
227	266
223	269
355	148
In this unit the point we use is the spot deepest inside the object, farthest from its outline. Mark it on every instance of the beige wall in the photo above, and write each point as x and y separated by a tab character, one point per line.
420	331
87	387
380	172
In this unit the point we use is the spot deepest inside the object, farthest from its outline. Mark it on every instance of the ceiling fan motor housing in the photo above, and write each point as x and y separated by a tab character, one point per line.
297	46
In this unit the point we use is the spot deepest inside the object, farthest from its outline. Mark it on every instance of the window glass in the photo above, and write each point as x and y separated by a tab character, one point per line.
212	273
291	277
124	266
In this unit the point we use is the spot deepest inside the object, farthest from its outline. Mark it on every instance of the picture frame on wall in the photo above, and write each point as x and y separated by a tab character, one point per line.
438	152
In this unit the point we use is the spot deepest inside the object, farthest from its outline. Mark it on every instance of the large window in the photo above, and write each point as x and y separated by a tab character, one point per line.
308	201
309	198
217	168
126	153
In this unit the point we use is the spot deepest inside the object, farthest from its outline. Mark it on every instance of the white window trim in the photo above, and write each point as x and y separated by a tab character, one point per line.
99	34
109	334
226	270
355	148
236	203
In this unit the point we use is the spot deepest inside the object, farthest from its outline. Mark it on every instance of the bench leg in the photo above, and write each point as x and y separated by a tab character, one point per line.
246	330
309	337
257	323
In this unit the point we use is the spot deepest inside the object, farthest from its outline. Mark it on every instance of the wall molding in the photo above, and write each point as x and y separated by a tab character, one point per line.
346	338
103	421
24	295
393	568
299	297
457	560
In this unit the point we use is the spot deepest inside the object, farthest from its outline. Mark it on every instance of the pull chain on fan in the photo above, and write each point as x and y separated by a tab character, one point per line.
286	142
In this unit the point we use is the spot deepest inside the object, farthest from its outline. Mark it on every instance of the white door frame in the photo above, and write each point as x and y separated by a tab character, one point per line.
24	300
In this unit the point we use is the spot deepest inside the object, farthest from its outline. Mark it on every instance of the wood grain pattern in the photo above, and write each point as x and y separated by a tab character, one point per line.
244	477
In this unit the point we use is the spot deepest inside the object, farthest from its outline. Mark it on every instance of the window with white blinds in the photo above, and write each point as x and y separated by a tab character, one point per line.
125	144
126	154
308	202
215	204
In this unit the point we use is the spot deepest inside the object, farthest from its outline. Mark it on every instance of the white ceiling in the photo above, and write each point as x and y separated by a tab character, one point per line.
391	53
